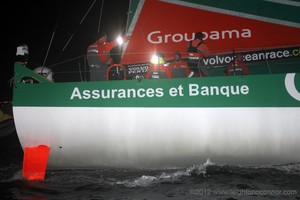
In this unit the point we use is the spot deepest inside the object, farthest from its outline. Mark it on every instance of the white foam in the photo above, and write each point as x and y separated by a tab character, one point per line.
148	181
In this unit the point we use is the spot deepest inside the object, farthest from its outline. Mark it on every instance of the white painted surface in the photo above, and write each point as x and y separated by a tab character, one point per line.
160	137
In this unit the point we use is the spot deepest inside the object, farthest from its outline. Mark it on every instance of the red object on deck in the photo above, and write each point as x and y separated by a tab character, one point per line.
35	162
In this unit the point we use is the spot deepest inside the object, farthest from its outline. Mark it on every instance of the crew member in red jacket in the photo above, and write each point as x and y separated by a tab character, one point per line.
105	47
99	58
237	67
178	63
157	69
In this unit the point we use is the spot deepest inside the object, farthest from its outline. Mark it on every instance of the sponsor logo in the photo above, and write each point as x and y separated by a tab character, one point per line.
254	56
156	37
290	86
194	90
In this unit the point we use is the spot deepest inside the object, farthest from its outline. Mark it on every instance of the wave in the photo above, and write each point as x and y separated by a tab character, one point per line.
211	169
164	177
290	168
148	178
209	180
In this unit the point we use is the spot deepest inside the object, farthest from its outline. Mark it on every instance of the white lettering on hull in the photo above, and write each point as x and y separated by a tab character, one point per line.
156	37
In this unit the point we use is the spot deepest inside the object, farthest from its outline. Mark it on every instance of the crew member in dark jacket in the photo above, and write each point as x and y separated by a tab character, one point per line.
197	50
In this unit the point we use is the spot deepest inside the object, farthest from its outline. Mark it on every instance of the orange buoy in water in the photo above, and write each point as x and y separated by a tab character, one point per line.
35	162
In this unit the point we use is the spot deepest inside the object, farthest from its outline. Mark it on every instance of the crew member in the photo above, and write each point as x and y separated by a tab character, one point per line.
197	50
237	67
99	57
157	69
179	64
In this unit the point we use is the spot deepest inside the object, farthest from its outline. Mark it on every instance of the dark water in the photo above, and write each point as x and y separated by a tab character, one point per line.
201	181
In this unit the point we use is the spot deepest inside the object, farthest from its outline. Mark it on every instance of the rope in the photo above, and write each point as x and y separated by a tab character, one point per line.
100	17
53	34
78	26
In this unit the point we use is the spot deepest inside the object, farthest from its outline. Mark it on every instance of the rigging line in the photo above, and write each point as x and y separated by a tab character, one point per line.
128	16
100	17
56	24
65	61
78	25
80	71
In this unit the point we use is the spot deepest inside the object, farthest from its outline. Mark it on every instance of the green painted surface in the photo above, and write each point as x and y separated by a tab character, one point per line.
260	8
239	91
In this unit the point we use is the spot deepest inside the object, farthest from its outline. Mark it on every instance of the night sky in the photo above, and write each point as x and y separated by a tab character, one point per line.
33	23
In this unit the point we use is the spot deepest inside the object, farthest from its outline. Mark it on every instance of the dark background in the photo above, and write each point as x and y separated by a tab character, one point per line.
34	22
